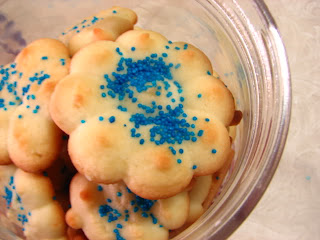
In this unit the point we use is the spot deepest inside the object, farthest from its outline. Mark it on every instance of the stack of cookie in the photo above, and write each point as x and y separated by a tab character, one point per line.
139	123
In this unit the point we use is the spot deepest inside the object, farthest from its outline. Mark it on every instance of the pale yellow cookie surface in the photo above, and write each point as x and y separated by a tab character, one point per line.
28	135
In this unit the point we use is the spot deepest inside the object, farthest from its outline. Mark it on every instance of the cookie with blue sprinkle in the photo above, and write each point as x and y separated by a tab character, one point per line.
154	112
105	25
28	135
31	204
113	211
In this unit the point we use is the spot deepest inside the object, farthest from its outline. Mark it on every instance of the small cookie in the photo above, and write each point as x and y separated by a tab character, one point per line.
114	212
31	204
106	25
27	132
154	114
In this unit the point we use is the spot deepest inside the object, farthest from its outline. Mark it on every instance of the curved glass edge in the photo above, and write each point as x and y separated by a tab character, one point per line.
278	144
275	143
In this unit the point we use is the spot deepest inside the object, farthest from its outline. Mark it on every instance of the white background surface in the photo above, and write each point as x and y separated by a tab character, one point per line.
290	208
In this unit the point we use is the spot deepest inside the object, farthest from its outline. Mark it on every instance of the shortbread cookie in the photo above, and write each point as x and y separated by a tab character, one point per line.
106	25
27	131
151	110
31	204
113	212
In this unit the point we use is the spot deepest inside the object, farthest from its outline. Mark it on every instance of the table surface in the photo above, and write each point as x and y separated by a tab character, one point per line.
290	208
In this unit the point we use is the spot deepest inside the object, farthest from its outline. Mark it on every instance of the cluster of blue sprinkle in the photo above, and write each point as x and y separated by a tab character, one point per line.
8	196
118	236
10	86
84	24
22	218
39	77
112	214
167	123
138	204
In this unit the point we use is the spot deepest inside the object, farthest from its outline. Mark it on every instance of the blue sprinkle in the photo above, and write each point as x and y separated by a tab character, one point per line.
101	118
179	161
103	95
194	118
214	151
136	209
100	188
119	225
193	139
35	111
185	46
173	100
109	200
181	99
181	151
118	51
119	194
101	87
54	198
209	73
194	167
114	11
160	225
199	95
177	66
164	55
83	121
112	119
207	119
133	49
158	93
154	55
141	141
177	48
44	58
37	107
200	133
167	47
308	178
20	116
193	126
154	219
144	214
170	42
173	150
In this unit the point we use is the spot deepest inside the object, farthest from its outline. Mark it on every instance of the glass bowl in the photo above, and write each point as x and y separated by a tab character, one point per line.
243	43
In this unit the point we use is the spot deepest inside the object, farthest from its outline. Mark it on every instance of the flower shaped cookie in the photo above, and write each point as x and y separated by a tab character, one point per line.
146	111
31	204
28	135
105	25
113	212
